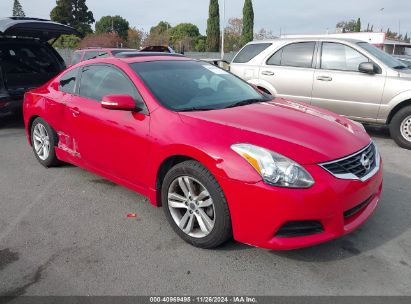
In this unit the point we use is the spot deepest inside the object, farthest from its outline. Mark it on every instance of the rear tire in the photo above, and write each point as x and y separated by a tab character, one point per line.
198	206
400	127
43	141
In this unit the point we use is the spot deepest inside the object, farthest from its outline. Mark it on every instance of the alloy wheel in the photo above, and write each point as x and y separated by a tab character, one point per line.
191	206
41	141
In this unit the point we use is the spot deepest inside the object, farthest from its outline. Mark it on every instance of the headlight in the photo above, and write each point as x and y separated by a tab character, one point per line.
275	169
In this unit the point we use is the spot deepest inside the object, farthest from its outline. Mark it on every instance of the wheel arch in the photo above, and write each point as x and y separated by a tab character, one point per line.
166	165
29	125
397	108
176	156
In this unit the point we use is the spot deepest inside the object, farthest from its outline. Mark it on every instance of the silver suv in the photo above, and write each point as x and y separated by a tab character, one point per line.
349	77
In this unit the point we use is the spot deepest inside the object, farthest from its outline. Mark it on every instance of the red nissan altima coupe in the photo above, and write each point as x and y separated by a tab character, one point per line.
223	159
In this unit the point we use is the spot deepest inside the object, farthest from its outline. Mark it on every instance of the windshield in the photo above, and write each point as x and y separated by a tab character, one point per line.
194	85
384	57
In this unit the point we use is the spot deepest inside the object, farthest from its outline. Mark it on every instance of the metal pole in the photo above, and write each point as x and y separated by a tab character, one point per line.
223	34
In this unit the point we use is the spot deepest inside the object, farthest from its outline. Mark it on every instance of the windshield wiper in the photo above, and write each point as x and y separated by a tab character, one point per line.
246	102
194	109
400	67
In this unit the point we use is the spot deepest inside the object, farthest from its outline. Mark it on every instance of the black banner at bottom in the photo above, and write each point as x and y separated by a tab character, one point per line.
207	299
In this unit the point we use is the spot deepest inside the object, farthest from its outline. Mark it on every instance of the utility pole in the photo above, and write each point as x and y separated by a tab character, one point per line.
381	17
223	34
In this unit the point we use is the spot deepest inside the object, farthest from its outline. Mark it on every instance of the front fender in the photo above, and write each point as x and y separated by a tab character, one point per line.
386	109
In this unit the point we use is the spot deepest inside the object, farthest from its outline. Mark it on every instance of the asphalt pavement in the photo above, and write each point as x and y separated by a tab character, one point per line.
65	231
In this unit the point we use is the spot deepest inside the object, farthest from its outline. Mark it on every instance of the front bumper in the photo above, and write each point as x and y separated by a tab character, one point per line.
258	211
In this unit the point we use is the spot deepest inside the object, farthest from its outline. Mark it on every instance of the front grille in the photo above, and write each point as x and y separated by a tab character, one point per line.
299	228
358	208
356	166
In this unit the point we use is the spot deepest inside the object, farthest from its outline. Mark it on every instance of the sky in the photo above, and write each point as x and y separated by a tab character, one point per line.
286	16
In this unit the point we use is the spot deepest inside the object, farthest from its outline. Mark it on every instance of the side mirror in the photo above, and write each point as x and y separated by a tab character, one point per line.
119	102
368	68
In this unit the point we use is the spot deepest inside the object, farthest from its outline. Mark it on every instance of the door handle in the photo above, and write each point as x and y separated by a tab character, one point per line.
324	78
75	112
267	73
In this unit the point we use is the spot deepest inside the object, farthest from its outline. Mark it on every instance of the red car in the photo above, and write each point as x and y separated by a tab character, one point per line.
97	52
222	158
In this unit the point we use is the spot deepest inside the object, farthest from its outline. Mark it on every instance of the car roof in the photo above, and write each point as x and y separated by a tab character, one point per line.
144	58
306	38
93	49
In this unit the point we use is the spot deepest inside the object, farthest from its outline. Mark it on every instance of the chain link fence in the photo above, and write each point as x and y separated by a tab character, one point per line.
67	54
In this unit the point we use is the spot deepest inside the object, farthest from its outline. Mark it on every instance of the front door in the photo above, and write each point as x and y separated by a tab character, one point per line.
112	142
341	88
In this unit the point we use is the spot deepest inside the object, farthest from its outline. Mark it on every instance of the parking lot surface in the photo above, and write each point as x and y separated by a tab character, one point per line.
65	231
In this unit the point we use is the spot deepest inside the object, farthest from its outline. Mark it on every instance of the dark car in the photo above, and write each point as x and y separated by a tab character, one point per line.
27	60
97	52
406	59
158	49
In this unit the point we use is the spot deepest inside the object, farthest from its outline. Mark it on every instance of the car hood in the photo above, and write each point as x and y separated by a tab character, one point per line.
405	73
34	28
303	133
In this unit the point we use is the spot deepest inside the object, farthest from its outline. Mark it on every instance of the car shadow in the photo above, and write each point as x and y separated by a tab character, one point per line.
390	220
378	131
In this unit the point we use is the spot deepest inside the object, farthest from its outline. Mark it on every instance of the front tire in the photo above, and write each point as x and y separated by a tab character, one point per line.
400	127
195	205
43	141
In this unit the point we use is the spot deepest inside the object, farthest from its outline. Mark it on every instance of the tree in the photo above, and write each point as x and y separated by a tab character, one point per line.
347	26
232	41
248	22
74	13
161	28
393	35
264	34
201	44
67	42
105	40
184	32
406	38
358	25
213	27
115	24
18	9
135	38
159	34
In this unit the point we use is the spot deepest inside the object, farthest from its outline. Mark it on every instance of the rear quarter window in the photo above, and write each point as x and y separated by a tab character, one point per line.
68	81
90	55
250	51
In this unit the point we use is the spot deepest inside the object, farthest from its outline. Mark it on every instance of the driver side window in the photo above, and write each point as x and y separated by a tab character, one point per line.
98	81
337	56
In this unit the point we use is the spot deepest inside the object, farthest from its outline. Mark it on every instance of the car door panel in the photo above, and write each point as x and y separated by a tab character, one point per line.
289	82
290	71
351	94
341	88
113	142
